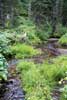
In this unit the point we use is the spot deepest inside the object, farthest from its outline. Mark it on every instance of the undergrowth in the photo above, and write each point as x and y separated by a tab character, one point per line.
63	39
24	50
39	80
64	93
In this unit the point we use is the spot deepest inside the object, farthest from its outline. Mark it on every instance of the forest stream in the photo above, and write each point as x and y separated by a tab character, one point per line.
13	90
33	49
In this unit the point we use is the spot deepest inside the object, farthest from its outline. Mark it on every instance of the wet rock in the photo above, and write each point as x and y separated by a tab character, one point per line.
14	91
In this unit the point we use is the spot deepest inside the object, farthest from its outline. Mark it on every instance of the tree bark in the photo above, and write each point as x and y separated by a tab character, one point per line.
55	15
29	9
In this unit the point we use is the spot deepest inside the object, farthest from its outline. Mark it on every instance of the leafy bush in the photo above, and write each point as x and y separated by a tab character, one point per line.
3	68
27	26
43	31
61	30
63	39
10	34
4	44
43	35
23	50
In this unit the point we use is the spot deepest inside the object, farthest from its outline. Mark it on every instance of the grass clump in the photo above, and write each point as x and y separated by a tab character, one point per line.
34	83
55	69
63	39
39	80
24	50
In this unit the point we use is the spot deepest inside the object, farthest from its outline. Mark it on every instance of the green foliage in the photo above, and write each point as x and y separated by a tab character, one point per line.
39	80
53	73
39	93
23	50
3	68
34	83
43	31
55	69
64	93
4	42
27	26
43	35
11	35
61	30
25	66
63	39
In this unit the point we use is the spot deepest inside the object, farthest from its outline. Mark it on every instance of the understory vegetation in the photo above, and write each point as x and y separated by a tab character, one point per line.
32	31
63	39
24	50
38	80
64	93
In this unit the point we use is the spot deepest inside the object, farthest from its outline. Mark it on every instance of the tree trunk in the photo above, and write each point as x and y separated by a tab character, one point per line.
29	9
55	15
61	10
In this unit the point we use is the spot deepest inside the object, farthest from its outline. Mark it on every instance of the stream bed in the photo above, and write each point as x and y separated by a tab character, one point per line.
13	90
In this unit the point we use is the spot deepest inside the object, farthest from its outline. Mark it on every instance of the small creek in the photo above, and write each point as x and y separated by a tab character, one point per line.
13	90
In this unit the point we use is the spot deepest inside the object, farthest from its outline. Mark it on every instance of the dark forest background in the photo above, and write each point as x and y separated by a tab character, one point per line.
42	12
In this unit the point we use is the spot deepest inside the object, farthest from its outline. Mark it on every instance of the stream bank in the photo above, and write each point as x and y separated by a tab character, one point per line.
13	90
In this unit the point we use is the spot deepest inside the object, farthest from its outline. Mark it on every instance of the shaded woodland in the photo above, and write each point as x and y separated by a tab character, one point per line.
33	49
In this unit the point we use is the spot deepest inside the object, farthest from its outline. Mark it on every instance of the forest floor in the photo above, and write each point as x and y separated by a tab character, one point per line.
13	89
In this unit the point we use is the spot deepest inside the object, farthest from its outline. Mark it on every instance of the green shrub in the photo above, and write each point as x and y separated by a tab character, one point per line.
43	32
11	35
3	68
60	30
63	39
27	26
23	50
43	35
4	44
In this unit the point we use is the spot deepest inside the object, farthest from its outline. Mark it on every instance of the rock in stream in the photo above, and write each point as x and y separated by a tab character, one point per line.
12	90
